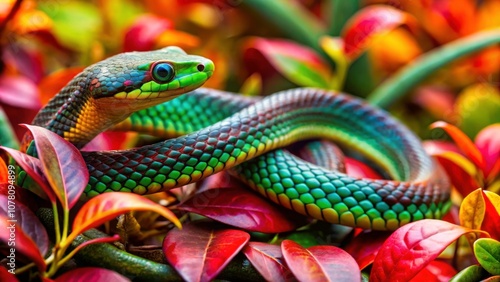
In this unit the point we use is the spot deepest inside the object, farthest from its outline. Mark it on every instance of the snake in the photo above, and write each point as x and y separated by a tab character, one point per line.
208	131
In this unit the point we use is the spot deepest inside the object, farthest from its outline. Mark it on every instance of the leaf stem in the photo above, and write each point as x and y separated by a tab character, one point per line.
409	76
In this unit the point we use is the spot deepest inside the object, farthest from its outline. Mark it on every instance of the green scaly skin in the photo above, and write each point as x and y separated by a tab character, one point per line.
277	121
225	131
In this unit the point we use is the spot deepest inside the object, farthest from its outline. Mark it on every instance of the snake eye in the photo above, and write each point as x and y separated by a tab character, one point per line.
163	72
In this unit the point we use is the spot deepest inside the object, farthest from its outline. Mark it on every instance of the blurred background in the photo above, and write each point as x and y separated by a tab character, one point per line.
261	46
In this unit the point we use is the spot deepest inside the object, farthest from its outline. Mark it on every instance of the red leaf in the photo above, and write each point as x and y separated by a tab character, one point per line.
106	141
94	274
267	259
19	91
50	85
6	276
23	245
462	141
369	22
26	220
63	165
244	209
298	63
356	168
436	271
436	147
461	180
488	143
199	252
320	263
33	168
412	247
364	247
142	35
491	218
107	206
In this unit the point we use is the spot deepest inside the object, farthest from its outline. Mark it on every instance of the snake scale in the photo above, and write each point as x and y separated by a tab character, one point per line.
214	131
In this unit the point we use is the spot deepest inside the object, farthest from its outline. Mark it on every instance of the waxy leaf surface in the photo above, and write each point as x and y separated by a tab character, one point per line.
33	168
364	247
244	209
200	252
63	165
268	261
412	247
24	246
25	219
320	263
487	252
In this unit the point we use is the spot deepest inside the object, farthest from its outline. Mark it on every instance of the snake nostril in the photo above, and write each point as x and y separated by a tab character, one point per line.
200	67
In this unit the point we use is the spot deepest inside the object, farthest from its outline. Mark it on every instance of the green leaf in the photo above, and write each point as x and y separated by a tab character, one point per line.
7	136
487	252
425	65
338	12
471	273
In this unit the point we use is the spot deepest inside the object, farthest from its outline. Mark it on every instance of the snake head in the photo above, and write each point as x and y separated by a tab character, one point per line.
111	90
138	80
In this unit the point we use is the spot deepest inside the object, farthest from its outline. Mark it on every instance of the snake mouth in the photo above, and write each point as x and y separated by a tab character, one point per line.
179	85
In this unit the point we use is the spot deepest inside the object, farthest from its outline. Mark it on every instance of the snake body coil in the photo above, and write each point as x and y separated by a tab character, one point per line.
225	131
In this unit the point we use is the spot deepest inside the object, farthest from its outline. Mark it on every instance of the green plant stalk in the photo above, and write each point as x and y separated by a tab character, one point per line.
57	230
409	76
291	19
338	12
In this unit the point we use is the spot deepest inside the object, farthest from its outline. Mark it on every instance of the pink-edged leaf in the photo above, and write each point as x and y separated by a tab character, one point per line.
141	36
200	252
26	220
320	263
19	91
491	214
298	63
23	246
412	247
267	259
369	22
33	168
462	141
7	276
436	271
106	141
244	209
488	143
356	168
107	206
364	247
63	165
94	274
23	196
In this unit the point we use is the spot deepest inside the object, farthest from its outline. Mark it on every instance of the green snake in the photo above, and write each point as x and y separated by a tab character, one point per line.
212	131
